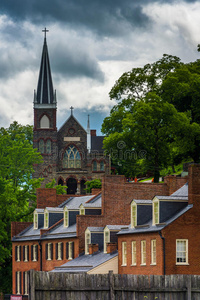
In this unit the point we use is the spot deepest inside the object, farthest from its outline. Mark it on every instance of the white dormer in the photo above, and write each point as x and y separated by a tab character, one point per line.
155	212
106	238
35	219
66	217
46	218
87	240
81	210
133	214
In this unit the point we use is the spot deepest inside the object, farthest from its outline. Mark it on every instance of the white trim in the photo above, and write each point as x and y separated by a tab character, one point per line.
143	253
124	254
46	220
133	205
184	251
66	217
153	252
106	234
35	221
156	202
133	253
87	240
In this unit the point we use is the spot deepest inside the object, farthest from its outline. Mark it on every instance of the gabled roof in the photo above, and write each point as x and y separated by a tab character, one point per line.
45	93
180	195
84	263
97	143
71	117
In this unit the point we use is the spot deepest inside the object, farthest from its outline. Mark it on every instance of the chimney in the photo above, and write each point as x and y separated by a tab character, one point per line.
111	247
46	197
194	184
93	248
93	132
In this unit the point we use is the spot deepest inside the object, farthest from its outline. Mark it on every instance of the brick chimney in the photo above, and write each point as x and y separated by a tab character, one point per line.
46	198
93	132
93	248
194	184
111	247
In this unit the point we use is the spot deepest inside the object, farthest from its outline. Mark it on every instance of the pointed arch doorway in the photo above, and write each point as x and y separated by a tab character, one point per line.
71	186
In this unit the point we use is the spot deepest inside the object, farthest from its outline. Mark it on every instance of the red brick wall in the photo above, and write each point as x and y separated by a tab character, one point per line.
175	182
17	227
148	269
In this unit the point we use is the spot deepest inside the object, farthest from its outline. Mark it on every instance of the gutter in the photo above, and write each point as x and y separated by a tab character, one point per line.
164	266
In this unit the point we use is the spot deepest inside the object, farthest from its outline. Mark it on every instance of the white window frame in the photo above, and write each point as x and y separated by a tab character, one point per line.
70	253
25	283
46	219
143	253
34	253
106	238
156	215
49	252
25	253
124	254
153	252
133	253
35	220
18	253
66	219
87	241
59	251
18	283
133	217
183	251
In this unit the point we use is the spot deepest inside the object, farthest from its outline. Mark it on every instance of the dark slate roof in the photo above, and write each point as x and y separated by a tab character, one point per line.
96	229
97	143
154	228
60	231
45	93
115	227
182	192
84	263
142	201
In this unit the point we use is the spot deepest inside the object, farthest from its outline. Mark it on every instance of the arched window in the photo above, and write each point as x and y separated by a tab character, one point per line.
48	147
41	146
72	158
94	166
44	122
102	166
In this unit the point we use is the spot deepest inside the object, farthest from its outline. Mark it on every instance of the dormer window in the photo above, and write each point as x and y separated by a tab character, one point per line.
46	219
133	214
87	241
66	217
155	212
82	210
106	238
35	220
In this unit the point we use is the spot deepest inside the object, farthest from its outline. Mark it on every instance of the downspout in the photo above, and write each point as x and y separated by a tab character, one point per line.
40	244
160	233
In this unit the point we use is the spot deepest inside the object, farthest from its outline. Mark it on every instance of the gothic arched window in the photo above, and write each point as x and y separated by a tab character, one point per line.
48	147
41	146
94	166
72	158
44	122
101	166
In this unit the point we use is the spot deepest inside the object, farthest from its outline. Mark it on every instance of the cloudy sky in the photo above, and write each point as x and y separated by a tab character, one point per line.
91	43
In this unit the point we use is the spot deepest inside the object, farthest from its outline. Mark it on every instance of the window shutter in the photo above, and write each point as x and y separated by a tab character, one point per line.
36	249
56	250
20	290
62	251
46	251
67	250
23	253
24	282
28	252
32	252
20	253
15	253
15	282
72	250
51	251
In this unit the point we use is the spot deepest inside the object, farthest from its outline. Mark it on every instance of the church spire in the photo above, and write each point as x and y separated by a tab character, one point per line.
45	93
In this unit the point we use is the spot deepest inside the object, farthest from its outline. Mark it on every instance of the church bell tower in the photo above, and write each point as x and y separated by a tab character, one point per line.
45	130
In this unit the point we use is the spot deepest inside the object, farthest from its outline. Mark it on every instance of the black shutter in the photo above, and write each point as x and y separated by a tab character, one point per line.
62	251
46	251
32	252
23	253
72	250
20	253
15	282
56	250
36	249
28	252
20	282
51	251
15	253
24	282
67	250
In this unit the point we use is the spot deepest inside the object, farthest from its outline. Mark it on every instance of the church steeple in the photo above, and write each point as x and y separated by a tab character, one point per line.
45	93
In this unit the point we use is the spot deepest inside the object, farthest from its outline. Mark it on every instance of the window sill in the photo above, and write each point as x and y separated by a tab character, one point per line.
123	265
34	260
143	265
134	265
182	264
152	264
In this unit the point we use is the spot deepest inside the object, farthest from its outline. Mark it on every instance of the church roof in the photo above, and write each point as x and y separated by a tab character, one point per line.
97	143
45	93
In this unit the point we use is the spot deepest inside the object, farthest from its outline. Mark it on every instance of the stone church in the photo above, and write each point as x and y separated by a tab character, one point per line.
71	155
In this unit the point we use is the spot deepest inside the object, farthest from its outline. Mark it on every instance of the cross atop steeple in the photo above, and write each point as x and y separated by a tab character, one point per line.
71	110
45	32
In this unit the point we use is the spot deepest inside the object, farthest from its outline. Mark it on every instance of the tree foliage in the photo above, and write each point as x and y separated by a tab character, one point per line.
93	184
17	188
156	120
59	188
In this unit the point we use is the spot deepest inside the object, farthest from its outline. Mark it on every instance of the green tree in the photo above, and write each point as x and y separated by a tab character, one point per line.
93	184
17	188
59	188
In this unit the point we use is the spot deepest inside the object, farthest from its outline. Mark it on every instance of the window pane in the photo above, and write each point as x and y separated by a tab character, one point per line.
48	147
72	158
